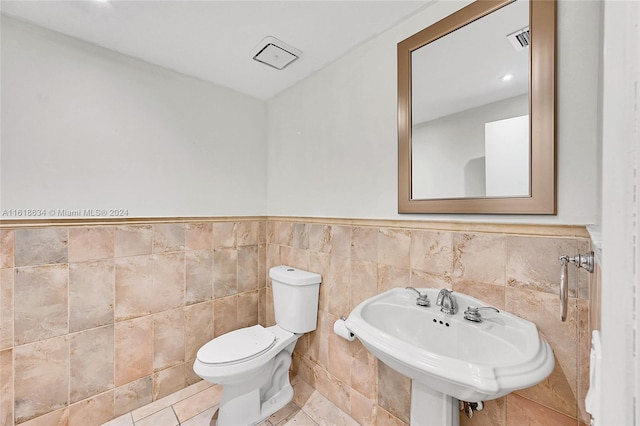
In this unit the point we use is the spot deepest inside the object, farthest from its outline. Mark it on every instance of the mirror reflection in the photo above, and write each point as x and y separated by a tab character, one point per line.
470	110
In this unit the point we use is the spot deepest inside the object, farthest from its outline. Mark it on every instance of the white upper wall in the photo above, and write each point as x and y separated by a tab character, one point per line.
332	138
86	128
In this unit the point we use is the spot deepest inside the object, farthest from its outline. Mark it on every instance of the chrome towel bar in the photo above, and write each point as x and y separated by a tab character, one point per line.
584	261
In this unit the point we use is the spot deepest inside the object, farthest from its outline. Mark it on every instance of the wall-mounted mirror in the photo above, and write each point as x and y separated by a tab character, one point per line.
476	111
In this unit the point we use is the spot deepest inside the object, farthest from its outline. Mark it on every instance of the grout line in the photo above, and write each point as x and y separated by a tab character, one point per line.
175	414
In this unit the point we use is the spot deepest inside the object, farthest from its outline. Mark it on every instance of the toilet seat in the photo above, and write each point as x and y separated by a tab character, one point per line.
237	346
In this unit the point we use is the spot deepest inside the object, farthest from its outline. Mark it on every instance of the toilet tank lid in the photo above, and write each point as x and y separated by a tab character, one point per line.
289	275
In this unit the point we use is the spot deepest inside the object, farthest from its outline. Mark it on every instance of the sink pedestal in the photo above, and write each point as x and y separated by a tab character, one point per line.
432	408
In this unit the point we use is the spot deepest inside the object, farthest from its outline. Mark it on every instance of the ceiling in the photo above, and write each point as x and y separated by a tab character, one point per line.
472	76
212	40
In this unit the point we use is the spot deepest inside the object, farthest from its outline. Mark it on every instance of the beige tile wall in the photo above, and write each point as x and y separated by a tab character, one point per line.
511	268
104	319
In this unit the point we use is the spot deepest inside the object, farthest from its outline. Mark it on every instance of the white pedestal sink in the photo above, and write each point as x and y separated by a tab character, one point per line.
447	357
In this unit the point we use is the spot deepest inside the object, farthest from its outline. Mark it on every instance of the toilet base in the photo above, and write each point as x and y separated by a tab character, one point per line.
275	403
242	404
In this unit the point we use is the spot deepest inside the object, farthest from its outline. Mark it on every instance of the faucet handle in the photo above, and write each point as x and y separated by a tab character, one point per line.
473	313
422	300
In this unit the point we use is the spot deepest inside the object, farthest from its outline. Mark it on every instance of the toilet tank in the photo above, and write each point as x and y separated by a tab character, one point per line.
295	298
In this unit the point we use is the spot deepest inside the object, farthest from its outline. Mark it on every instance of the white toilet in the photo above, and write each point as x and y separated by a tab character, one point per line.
252	363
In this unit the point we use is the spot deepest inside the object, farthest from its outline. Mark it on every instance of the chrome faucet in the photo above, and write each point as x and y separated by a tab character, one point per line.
447	301
422	300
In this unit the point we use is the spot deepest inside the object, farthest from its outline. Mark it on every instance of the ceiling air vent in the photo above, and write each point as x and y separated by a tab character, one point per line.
519	39
275	53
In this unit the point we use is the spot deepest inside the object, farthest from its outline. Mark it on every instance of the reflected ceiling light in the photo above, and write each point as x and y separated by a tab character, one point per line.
507	77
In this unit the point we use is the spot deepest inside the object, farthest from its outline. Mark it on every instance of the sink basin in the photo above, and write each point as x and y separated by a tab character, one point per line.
456	357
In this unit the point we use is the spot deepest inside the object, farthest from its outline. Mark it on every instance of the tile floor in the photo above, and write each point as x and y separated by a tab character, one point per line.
196	404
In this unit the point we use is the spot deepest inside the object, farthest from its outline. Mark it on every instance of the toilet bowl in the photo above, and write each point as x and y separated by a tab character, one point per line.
259	373
252	364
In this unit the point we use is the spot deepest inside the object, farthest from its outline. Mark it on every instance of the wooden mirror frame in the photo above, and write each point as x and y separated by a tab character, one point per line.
542	89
